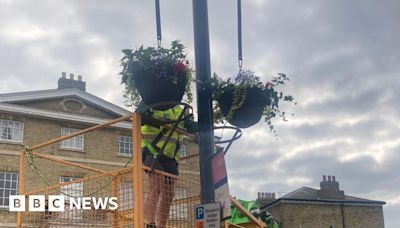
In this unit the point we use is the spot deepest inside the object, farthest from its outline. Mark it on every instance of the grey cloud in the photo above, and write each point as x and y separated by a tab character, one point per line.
341	57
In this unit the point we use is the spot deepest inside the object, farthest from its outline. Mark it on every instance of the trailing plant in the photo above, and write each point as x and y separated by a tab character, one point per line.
167	64
239	85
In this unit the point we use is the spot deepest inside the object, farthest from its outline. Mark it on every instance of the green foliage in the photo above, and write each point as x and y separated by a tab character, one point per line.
239	84
165	62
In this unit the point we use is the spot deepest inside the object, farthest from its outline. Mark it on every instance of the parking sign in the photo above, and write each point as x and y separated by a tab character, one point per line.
200	213
208	215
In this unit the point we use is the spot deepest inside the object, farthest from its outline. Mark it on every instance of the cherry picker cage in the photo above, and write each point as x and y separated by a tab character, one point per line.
128	184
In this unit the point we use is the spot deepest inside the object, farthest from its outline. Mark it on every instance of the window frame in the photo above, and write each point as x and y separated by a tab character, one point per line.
124	142
180	193
72	213
126	196
183	149
20	130
3	196
78	137
77	187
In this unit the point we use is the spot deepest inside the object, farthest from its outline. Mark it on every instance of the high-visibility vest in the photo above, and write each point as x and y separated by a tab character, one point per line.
149	132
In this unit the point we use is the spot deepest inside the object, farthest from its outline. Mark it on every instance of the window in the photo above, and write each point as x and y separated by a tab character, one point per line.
75	143
179	209
182	150
11	130
124	145
125	198
8	186
73	190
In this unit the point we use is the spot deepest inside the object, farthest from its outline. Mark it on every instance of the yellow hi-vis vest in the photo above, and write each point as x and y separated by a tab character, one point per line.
149	132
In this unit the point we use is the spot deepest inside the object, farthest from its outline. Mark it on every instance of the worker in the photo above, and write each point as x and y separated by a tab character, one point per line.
161	188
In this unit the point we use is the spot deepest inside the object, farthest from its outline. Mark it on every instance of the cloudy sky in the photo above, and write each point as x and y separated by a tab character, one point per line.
342	57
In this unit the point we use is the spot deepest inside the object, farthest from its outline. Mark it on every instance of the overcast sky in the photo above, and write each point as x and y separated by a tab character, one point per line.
343	58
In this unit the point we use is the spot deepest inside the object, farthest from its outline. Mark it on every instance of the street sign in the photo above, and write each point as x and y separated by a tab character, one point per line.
208	215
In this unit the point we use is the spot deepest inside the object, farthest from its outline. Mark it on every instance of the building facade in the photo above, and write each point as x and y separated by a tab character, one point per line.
30	118
327	207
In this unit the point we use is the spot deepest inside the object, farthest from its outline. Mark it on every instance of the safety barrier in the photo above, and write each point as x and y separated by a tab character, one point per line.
133	186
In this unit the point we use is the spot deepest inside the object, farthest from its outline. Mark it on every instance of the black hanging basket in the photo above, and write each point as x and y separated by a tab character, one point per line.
155	89
251	110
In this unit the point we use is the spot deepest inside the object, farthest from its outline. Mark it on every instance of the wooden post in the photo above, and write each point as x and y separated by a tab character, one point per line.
247	213
138	205
21	183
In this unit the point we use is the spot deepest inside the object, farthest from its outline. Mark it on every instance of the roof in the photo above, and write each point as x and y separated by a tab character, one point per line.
57	93
29	111
9	103
309	195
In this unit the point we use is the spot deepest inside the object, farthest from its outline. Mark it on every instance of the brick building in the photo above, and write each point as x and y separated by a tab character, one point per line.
327	207
29	118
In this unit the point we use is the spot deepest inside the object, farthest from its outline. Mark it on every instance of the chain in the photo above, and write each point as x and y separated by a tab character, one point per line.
33	166
158	23
240	51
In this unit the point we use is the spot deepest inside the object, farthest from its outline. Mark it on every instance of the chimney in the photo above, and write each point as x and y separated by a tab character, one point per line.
330	188
265	198
66	83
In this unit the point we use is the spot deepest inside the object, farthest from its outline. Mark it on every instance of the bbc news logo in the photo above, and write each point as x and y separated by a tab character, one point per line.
59	203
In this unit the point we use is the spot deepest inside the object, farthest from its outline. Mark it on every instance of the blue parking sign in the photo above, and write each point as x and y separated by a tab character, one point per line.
199	213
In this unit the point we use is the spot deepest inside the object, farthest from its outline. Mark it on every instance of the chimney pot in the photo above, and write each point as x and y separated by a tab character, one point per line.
324	177
333	178
259	195
66	83
273	195
329	179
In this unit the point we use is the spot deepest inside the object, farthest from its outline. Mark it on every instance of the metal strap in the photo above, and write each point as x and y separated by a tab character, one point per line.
158	22
164	138
240	52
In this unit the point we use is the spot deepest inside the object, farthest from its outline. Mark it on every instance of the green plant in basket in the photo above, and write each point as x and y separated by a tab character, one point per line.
156	75
243	99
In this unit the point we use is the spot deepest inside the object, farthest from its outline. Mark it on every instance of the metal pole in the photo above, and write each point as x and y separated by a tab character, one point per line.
21	183
138	201
204	97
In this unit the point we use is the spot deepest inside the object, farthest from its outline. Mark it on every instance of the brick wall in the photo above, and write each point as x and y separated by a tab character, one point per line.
321	216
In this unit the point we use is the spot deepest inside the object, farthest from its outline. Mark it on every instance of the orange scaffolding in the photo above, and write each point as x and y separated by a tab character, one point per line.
131	185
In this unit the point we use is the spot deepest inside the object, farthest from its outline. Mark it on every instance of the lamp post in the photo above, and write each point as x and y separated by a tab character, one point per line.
204	97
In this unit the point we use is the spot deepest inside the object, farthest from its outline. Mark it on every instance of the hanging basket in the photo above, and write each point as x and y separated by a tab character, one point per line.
250	111
154	89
